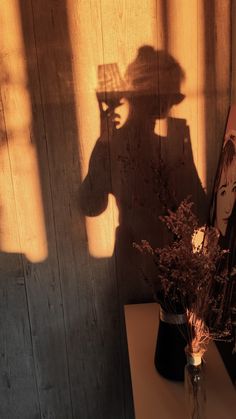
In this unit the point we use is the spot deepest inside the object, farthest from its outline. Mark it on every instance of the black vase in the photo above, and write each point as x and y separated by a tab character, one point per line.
170	358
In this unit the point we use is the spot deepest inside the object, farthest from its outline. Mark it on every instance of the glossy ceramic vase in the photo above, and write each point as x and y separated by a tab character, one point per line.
170	357
195	387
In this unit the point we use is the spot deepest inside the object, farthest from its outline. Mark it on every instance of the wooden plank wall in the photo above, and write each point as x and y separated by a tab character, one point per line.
62	341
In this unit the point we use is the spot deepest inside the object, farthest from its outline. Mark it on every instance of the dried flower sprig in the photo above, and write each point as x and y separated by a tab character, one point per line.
192	276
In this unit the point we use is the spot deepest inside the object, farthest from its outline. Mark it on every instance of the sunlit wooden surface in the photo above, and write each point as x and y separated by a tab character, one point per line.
21	207
158	398
61	338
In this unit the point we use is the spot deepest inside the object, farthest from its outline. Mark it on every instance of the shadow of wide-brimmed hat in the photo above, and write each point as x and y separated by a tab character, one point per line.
151	73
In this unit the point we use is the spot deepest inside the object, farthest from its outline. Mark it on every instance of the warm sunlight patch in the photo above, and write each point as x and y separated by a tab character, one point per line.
101	230
186	43
21	210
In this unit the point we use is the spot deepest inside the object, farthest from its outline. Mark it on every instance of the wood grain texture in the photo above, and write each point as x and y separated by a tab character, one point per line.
233	57
62	322
218	49
75	292
18	385
43	279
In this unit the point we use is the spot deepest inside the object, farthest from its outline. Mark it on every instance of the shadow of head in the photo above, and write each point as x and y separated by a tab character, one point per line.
150	87
155	79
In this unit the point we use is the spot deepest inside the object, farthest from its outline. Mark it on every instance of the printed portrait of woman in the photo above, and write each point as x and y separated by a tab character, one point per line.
223	217
225	187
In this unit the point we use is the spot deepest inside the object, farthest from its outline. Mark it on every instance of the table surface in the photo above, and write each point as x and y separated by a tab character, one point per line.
158	398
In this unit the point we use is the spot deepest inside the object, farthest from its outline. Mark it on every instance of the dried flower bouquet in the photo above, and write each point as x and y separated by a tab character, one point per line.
192	276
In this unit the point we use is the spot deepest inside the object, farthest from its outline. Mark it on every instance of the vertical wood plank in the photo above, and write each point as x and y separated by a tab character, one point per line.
233	49
17	116
218	47
18	387
46	308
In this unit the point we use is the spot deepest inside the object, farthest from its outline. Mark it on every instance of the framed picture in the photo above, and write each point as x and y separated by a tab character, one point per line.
223	217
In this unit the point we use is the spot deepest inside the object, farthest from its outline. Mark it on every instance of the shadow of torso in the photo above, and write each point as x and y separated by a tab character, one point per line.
147	174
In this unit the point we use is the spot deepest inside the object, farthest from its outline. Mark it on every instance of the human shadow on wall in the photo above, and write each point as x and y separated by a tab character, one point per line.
143	157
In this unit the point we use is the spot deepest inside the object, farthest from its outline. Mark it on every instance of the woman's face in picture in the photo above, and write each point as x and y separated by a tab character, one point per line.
225	197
